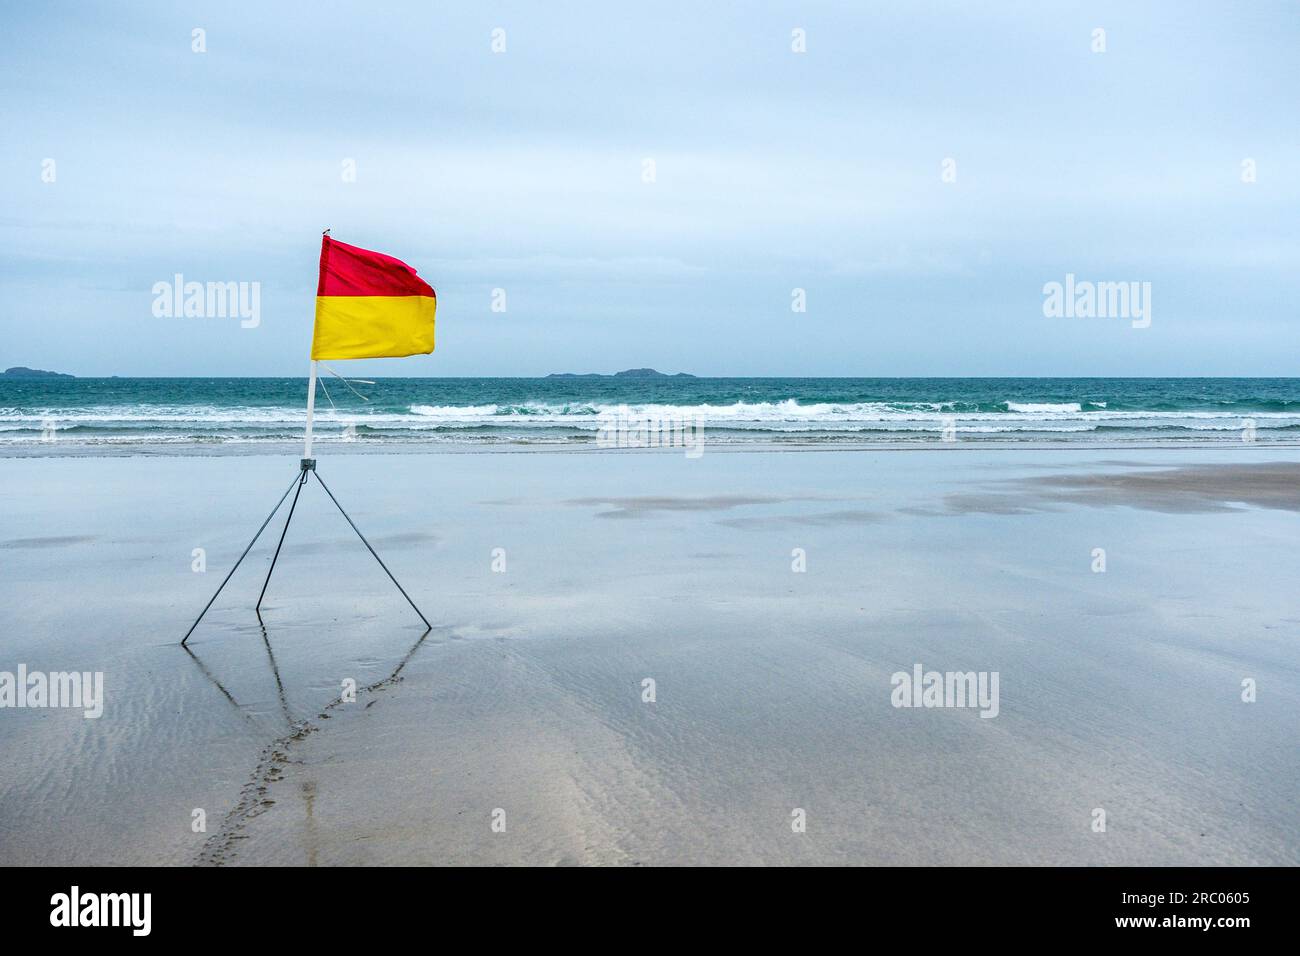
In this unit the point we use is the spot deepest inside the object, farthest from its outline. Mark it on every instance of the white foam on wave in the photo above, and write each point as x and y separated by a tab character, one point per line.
454	411
1033	407
579	420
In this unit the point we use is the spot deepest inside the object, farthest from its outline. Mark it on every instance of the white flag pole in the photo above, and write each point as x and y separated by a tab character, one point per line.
311	410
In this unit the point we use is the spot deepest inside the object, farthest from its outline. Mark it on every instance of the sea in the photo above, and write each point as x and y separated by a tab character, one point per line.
119	414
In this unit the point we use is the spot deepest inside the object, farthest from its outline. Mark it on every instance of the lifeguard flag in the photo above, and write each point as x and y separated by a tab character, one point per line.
369	305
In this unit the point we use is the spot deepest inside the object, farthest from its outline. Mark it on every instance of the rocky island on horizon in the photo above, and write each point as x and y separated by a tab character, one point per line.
22	371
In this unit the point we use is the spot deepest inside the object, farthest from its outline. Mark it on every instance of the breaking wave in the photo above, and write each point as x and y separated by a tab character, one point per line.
567	422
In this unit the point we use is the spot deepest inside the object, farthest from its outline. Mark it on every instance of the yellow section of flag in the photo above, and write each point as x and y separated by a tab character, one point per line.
373	326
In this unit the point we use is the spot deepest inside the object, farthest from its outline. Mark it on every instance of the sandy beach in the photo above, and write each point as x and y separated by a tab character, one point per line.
520	728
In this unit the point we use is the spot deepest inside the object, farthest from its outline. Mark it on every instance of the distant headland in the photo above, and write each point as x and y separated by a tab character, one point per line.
22	371
627	373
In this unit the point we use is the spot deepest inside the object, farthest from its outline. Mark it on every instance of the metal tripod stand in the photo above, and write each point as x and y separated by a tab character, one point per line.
307	469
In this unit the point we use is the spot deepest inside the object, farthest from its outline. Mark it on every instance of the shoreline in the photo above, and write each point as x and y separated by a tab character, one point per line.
379	448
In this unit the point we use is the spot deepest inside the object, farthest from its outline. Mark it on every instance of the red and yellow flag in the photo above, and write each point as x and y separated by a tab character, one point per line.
369	305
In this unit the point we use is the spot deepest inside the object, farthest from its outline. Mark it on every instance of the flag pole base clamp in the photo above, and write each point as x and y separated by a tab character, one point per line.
306	468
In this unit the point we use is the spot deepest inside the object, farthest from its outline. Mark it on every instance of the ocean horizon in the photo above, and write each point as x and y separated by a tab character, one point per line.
568	410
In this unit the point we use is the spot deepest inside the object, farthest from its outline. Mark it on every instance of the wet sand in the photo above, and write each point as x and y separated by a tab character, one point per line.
1119	690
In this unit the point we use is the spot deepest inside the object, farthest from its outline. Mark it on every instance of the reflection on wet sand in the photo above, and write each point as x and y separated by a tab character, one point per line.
254	798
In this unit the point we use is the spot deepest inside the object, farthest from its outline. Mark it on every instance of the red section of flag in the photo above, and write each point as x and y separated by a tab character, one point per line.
349	270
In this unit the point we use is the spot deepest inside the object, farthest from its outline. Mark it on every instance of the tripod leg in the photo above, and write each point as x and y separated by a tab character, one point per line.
302	480
241	558
372	551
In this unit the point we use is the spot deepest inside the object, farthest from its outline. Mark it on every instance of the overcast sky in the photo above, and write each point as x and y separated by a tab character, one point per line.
775	170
